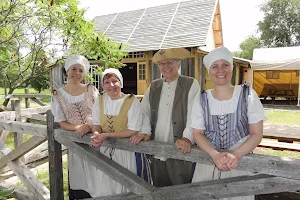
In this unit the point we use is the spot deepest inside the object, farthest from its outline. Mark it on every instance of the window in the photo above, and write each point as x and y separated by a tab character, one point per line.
272	74
142	71
138	54
94	73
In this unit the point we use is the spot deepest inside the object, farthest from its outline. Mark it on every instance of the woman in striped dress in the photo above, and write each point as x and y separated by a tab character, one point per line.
227	121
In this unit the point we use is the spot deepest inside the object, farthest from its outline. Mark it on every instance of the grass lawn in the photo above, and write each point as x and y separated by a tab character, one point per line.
10	139
279	153
43	176
22	91
283	117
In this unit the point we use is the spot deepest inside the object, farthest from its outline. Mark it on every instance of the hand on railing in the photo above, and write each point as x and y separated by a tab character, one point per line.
98	139
83	129
137	138
184	145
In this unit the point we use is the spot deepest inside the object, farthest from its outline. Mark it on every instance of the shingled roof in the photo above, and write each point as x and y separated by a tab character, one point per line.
182	24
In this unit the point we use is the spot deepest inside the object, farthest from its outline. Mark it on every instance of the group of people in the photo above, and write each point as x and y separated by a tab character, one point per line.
226	122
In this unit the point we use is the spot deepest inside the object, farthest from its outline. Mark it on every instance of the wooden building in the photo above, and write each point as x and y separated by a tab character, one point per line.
195	25
276	72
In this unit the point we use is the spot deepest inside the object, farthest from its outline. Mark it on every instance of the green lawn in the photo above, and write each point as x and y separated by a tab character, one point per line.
43	176
10	139
283	117
279	153
22	91
31	91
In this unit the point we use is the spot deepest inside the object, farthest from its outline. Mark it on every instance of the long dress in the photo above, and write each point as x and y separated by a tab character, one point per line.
114	116
226	125
75	110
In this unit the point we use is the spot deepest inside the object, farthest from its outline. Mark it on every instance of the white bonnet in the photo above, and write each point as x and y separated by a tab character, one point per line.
77	59
112	71
220	53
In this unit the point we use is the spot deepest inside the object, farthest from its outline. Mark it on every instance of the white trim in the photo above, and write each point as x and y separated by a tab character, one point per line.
136	25
169	26
111	23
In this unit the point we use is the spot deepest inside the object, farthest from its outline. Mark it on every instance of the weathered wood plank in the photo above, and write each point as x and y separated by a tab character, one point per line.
277	131
38	101
55	161
29	111
37	117
21	150
40	191
10	115
229	187
18	137
21	127
27	102
283	167
280	145
39	155
108	166
28	96
3	135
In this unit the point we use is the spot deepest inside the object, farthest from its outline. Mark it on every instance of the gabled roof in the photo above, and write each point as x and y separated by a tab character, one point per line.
182	24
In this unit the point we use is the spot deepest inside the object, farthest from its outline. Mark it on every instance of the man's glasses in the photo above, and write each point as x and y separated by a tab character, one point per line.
167	62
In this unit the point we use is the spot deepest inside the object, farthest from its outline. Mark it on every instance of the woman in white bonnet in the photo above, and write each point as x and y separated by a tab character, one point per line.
115	115
71	106
227	118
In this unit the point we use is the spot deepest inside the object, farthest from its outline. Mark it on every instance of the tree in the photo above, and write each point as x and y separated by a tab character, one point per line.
35	34
247	47
281	24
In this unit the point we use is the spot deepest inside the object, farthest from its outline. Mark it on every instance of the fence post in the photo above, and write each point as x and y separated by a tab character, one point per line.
27	102
55	161
16	106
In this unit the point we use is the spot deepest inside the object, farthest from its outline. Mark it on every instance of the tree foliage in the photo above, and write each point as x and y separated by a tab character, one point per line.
247	47
37	34
281	24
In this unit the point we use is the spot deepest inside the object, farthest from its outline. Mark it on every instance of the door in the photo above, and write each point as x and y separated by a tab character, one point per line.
129	78
142	77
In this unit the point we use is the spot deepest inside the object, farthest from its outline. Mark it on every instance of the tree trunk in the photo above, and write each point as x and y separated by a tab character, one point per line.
5	103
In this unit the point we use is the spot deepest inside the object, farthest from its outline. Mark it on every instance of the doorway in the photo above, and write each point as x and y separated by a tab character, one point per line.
129	73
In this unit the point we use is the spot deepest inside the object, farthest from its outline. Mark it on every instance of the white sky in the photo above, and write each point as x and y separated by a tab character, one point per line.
239	17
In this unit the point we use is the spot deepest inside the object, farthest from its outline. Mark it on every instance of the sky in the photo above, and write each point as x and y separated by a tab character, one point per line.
239	17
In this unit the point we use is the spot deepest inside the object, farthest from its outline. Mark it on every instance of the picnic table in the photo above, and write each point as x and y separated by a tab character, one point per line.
286	93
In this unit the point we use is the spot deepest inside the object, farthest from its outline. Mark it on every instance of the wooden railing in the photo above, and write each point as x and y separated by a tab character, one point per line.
28	97
270	174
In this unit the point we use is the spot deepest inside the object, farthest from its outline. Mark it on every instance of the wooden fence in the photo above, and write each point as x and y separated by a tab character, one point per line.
270	174
11	158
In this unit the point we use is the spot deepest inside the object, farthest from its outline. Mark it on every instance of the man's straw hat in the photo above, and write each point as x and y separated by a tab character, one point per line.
174	53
